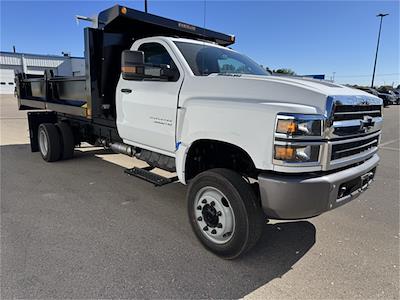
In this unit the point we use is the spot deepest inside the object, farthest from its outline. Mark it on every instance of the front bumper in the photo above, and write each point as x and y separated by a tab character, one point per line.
302	196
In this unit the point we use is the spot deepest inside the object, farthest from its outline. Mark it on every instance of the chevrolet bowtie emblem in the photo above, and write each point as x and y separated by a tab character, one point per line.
367	122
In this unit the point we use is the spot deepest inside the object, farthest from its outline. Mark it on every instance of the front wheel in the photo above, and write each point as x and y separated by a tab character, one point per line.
224	212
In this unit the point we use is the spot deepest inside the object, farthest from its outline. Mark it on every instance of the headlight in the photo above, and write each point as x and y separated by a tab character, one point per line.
298	139
293	154
299	125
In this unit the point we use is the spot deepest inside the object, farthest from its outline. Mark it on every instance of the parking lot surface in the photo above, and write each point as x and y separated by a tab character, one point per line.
83	229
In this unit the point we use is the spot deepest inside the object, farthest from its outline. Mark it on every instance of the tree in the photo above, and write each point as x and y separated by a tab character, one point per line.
285	71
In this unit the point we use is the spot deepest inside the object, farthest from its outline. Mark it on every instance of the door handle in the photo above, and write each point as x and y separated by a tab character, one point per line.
126	91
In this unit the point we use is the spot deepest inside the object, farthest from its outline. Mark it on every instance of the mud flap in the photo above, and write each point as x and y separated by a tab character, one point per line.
36	118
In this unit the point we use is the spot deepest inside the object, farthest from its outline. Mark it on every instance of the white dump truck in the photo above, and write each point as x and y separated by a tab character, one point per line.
250	146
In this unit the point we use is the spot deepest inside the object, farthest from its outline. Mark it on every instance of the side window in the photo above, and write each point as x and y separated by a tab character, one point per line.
156	54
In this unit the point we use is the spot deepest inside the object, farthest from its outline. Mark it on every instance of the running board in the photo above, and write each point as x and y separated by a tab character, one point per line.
145	174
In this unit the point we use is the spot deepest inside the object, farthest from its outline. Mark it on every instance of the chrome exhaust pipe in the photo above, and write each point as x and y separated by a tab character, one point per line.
122	148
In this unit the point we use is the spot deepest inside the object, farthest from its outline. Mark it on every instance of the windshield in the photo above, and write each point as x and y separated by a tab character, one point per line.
205	60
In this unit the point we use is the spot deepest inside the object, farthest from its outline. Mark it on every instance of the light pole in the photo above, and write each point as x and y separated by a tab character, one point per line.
377	47
145	6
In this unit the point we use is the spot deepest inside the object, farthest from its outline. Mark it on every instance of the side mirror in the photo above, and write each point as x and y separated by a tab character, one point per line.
134	68
132	65
168	73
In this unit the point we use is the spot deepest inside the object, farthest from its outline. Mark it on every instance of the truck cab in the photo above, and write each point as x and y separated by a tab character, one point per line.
249	145
220	98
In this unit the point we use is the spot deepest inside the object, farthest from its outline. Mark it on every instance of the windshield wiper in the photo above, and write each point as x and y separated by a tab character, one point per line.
227	74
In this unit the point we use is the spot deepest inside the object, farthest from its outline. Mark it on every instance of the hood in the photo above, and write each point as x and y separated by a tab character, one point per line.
299	94
320	86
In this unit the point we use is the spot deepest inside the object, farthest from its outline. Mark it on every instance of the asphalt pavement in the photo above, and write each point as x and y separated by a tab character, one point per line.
83	229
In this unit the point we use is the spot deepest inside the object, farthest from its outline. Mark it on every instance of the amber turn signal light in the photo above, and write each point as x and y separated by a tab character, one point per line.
284	153
286	126
125	69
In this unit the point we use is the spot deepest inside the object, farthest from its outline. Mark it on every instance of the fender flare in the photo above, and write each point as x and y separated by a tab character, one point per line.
183	151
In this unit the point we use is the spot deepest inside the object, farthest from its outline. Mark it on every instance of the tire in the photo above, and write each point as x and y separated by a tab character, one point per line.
236	209
67	140
49	141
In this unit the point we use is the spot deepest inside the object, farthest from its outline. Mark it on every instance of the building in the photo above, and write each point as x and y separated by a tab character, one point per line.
319	76
36	64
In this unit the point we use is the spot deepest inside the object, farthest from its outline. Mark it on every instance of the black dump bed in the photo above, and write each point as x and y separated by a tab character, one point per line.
93	95
61	94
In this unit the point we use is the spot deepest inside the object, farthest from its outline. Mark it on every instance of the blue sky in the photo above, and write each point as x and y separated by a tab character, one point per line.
310	37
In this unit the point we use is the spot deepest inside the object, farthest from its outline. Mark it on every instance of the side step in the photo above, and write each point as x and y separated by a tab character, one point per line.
145	174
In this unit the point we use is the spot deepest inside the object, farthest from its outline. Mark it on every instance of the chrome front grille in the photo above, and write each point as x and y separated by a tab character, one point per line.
354	129
354	116
354	147
356	112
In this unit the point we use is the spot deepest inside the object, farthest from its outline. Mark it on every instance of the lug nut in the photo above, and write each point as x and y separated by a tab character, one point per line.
199	219
219	225
205	228
213	231
204	201
212	203
219	214
199	207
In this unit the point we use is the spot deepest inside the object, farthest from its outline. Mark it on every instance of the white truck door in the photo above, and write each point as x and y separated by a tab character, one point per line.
146	110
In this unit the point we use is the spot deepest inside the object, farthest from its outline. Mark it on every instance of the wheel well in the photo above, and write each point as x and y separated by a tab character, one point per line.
209	154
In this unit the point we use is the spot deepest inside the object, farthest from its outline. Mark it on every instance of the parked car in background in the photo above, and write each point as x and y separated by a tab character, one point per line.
395	94
392	91
386	97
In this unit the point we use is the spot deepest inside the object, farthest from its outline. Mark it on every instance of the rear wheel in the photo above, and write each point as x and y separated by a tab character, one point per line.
67	140
224	212
49	142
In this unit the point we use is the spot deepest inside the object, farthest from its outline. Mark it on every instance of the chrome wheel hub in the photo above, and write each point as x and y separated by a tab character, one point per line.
214	215
43	143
